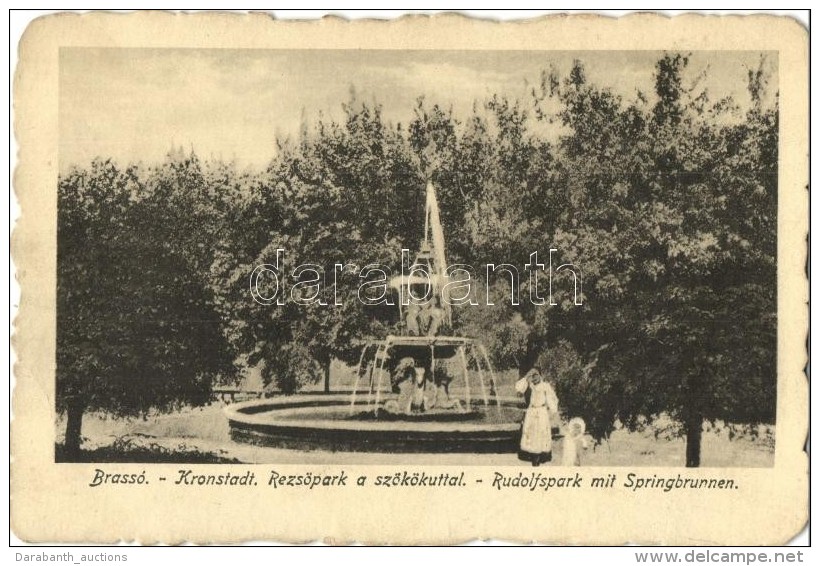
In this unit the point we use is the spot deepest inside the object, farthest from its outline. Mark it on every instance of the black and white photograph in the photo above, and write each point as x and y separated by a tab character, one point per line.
426	256
565	258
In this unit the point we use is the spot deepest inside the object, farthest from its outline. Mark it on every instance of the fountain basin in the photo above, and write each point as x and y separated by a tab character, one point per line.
332	422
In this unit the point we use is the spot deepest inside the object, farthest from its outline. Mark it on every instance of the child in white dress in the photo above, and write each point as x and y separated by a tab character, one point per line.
574	442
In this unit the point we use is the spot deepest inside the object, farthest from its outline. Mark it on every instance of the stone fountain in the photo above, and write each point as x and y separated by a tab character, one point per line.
420	389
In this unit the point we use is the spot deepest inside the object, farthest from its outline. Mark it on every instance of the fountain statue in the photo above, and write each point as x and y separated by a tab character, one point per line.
419	358
421	388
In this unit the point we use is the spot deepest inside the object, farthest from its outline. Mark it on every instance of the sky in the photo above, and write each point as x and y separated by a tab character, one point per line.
137	104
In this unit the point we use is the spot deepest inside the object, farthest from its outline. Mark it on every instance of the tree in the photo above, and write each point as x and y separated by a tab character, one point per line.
674	219
346	193
136	329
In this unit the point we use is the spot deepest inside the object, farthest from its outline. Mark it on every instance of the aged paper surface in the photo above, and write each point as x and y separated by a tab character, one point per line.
102	86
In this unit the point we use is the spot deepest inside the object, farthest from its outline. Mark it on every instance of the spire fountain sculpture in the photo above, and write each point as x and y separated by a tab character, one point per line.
421	388
419	357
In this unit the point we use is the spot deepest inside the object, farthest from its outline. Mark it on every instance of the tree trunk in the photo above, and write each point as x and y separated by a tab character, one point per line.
693	416
73	429
326	369
694	432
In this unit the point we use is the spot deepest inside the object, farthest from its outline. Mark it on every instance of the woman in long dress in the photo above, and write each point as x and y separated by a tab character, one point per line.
536	430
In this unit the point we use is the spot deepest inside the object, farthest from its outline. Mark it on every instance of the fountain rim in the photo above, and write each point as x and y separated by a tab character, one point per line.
236	413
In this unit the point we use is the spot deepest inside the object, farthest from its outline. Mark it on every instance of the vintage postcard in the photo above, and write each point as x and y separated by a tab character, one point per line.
427	280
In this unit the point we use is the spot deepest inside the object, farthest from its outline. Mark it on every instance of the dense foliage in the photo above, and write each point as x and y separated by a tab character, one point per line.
665	204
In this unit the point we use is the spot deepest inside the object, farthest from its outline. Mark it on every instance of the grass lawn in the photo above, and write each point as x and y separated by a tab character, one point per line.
203	435
198	435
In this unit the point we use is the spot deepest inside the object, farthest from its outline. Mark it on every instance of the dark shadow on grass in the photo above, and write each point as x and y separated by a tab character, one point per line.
152	454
